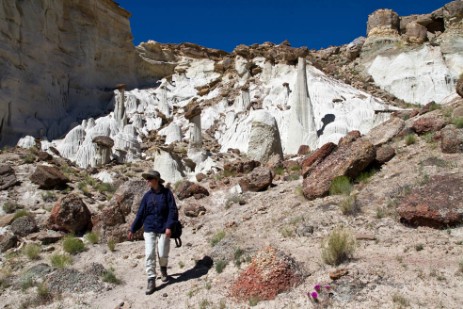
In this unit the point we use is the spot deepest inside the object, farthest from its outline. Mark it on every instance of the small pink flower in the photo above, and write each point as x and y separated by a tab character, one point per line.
317	288
314	295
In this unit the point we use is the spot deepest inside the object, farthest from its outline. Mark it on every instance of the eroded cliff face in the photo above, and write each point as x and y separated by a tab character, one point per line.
60	61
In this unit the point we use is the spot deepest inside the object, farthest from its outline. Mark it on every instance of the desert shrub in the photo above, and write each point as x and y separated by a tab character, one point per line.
220	266
298	191
32	251
217	237
60	260
110	277
204	304
338	247
279	170
92	238
349	206
364	176
43	293
419	247
49	196
458	122
400	300
9	207
237	257
105	187
234	199
29	158
341	185
26	281
434	106
380	212
21	213
429	137
73	245
410	139
253	301
111	245
287	232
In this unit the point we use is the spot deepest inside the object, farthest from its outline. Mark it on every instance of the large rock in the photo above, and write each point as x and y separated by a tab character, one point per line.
194	210
259	180
350	159
7	177
383	21
416	33
6	220
7	241
70	214
452	140
270	272
188	189
427	124
318	156
49	177
24	226
437	204
386	131
264	139
384	154
240	167
459	86
47	237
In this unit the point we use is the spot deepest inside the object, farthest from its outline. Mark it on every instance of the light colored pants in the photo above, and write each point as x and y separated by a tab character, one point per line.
163	243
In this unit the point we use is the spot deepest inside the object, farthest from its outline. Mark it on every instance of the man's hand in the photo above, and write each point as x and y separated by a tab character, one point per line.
168	233
130	235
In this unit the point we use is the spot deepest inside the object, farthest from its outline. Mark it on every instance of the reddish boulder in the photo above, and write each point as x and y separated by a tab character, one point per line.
338	273
259	180
452	140
437	204
428	124
188	189
303	150
70	214
49	177
349	138
384	154
270	272
7	177
240	167
349	159
318	156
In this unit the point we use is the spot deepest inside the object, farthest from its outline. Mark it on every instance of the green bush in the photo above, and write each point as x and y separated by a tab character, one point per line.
400	300
73	245
337	247
60	260
112	245
217	237
105	187
279	170
21	213
365	175
110	277
341	185
9	207
410	139
220	266
32	251
458	122
43	293
92	238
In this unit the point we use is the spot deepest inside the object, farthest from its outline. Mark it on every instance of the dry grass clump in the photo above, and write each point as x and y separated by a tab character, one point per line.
73	245
338	247
341	185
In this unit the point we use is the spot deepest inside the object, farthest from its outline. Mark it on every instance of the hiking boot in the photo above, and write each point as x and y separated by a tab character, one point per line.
151	286
164	277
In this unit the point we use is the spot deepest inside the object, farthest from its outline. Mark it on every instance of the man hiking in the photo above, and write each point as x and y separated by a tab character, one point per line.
157	214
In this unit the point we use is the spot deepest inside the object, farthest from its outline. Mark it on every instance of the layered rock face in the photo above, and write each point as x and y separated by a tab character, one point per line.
416	58
60	61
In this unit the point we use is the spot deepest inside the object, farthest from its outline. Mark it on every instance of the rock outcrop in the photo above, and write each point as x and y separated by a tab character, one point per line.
7	177
48	47
437	204
49	177
452	140
70	214
264	139
258	180
188	189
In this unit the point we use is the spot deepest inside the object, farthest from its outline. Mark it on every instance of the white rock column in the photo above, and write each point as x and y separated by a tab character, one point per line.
302	129
195	146
119	109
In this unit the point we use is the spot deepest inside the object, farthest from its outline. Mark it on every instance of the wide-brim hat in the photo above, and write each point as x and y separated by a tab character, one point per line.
152	174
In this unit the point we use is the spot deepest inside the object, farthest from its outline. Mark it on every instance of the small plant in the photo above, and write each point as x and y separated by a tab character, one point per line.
111	245
110	277
458	122
419	247
349	206
49	197
29	158
9	207
217	237
365	176
237	257
341	185
338	247
26	282
279	170
92	238
380	212
73	245
287	232
320	295
298	191
253	301
220	266
105	188
204	304
21	213
32	251
234	199
434	106
43	293
429	137
410	139
294	176
181	264
60	260
400	300
460	267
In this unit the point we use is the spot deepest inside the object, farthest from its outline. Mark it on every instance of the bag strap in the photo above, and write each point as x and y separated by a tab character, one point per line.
178	242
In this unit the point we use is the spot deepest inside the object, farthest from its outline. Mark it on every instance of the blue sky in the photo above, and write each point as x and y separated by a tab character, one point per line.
224	24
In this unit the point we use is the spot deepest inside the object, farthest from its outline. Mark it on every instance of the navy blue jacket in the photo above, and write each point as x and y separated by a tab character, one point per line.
157	212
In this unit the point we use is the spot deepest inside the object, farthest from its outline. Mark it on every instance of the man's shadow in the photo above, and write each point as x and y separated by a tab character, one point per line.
200	269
